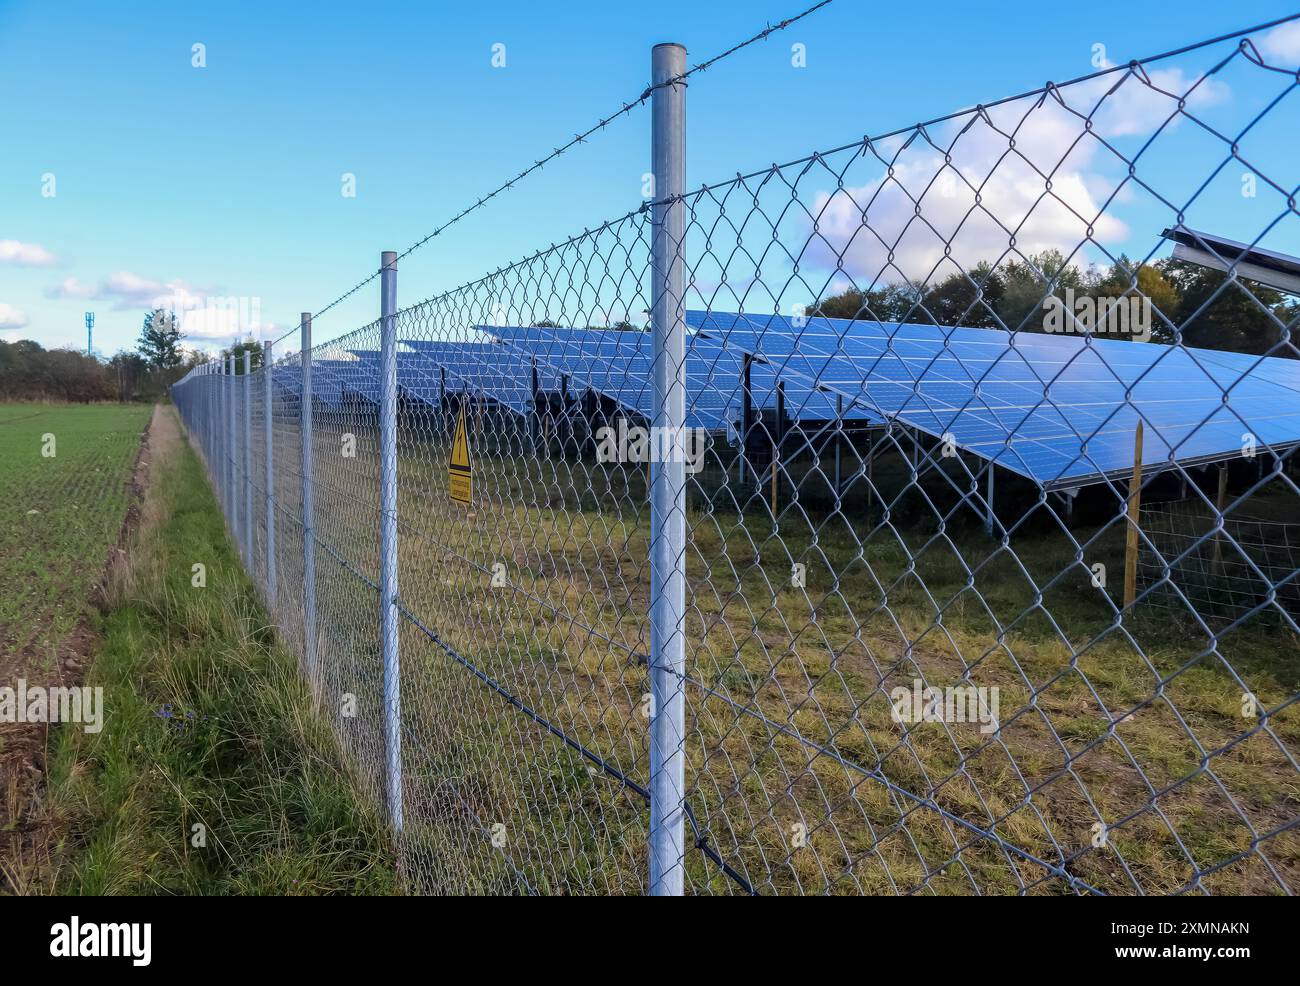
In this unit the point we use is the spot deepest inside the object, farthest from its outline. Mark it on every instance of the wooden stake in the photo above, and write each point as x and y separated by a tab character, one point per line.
1219	502
871	465
1134	522
775	459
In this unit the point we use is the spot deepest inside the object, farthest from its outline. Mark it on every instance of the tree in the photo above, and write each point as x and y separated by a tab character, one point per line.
1152	286
888	304
1233	319
160	340
969	299
30	372
129	372
1026	285
253	349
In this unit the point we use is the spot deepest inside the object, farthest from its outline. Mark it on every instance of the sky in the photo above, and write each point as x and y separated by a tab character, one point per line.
131	173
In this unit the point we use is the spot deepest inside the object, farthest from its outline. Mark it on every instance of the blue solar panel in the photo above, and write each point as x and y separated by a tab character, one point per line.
620	366
326	382
488	370
1059	409
337	380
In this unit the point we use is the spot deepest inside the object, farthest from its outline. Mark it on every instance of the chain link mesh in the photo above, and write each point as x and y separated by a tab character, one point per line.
990	585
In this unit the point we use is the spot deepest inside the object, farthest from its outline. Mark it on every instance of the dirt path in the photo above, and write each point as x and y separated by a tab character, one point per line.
26	830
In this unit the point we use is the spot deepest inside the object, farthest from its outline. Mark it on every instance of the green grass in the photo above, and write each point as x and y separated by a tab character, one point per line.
62	512
253	763
787	689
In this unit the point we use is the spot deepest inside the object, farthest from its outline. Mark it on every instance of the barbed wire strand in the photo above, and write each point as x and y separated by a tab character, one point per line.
579	138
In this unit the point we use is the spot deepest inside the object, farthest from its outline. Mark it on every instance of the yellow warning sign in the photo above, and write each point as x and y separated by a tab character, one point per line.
460	479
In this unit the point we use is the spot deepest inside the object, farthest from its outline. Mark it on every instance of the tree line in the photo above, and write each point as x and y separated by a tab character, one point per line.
1185	298
28	371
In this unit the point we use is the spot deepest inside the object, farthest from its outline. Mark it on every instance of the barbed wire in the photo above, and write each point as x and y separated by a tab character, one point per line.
880	504
579	138
979	110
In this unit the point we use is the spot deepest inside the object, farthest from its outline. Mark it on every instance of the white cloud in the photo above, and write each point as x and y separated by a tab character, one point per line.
25	254
11	318
923	222
127	291
70	287
202	314
1282	43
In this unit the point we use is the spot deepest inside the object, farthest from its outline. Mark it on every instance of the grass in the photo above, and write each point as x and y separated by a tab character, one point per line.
1135	724
63	513
208	723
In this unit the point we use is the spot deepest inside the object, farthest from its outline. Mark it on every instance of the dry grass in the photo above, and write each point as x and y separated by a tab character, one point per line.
798	775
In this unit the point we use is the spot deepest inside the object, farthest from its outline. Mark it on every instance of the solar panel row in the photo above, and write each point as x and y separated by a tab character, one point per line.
1059	409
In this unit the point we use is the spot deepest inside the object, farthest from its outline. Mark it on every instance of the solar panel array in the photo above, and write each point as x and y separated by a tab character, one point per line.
620	366
488	370
1059	409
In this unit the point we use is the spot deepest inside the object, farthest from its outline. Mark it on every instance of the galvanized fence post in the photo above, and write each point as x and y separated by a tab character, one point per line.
232	501
209	421
388	533
249	518
668	489
218	431
308	513
267	443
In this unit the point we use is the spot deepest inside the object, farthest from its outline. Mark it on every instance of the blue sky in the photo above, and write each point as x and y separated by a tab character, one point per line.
225	180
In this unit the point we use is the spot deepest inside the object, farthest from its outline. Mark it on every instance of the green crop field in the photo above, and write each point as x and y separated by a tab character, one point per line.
65	473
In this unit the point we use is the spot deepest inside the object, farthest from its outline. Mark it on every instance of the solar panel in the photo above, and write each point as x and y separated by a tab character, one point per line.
335	380
485	369
327	384
1059	409
620	366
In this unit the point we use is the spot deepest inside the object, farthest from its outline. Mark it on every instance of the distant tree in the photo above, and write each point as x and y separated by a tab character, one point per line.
160	340
1026	284
962	298
129	372
1241	317
30	372
1128	279
254	350
1245	317
889	304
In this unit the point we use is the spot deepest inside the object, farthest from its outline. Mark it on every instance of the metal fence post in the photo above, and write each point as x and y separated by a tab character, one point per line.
209	421
839	442
249	521
218	427
388	533
989	515
308	513
668	490
232	501
267	442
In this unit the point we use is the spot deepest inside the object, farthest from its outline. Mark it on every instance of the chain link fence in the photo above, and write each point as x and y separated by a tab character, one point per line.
895	520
